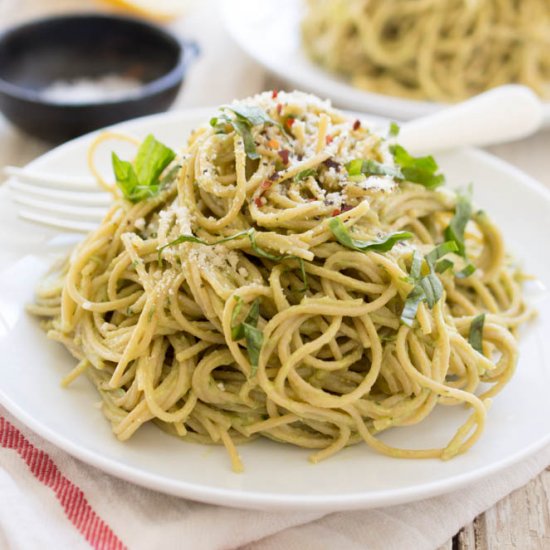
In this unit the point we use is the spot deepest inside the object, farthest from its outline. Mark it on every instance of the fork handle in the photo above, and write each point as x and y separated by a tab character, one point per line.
503	114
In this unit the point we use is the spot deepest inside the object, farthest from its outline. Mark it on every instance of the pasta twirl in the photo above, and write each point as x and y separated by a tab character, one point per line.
441	50
290	275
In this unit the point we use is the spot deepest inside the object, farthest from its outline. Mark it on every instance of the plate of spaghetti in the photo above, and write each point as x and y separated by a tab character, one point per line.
398	58
283	308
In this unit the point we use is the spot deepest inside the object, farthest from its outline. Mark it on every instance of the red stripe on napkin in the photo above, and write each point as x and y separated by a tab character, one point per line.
72	499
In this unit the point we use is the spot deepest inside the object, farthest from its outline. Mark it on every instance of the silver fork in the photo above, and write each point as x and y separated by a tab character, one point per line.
70	203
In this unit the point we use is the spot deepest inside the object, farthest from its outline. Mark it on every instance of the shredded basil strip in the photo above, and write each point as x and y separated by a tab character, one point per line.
383	244
262	253
248	330
244	130
415	296
455	229
475	336
465	272
251	234
372	168
251	114
394	129
421	170
236	312
193	239
439	251
416	265
139	180
305	174
442	265
426	288
432	287
245	118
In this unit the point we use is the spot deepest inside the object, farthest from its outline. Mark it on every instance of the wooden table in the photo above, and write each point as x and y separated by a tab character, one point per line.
522	520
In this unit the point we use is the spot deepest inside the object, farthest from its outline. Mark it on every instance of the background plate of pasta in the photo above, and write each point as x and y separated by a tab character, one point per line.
283	308
398	58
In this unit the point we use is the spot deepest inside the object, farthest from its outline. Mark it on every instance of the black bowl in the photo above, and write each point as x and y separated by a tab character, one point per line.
35	55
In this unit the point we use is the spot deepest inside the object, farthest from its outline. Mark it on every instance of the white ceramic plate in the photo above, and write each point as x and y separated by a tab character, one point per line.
269	31
276	476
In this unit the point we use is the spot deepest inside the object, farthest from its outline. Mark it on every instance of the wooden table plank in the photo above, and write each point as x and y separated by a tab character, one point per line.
519	521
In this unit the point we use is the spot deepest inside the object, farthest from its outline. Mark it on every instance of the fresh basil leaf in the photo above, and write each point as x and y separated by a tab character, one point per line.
246	117
253	313
261	252
254	339
236	333
416	265
193	239
432	287
244	130
372	168
383	244
304	275
413	300
428	288
248	330
222	124
305	174
125	176
442	265
439	251
475	337
421	170
394	129
151	160
252	114
264	254
465	272
455	229
140	180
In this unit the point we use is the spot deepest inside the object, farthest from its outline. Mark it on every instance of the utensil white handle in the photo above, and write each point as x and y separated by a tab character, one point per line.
503	114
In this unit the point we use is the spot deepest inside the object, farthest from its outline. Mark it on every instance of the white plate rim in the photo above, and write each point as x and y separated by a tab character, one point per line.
266	500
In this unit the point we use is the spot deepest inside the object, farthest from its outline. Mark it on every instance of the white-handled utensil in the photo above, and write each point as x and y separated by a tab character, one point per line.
503	114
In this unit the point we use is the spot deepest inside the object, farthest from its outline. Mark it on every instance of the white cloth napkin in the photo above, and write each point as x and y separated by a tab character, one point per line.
51	500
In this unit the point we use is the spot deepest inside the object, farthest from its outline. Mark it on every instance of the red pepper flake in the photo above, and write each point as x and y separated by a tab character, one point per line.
357	124
290	121
346	207
283	153
329	139
336	212
273	144
266	184
259	202
274	94
279	108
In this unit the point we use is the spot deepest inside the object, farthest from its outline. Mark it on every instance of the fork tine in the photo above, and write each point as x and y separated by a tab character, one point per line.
86	212
72	197
57	181
72	225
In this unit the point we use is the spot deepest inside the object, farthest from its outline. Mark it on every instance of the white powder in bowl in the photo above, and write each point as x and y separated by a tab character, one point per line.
92	90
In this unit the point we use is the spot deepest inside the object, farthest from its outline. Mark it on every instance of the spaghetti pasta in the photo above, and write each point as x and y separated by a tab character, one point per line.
441	50
292	275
